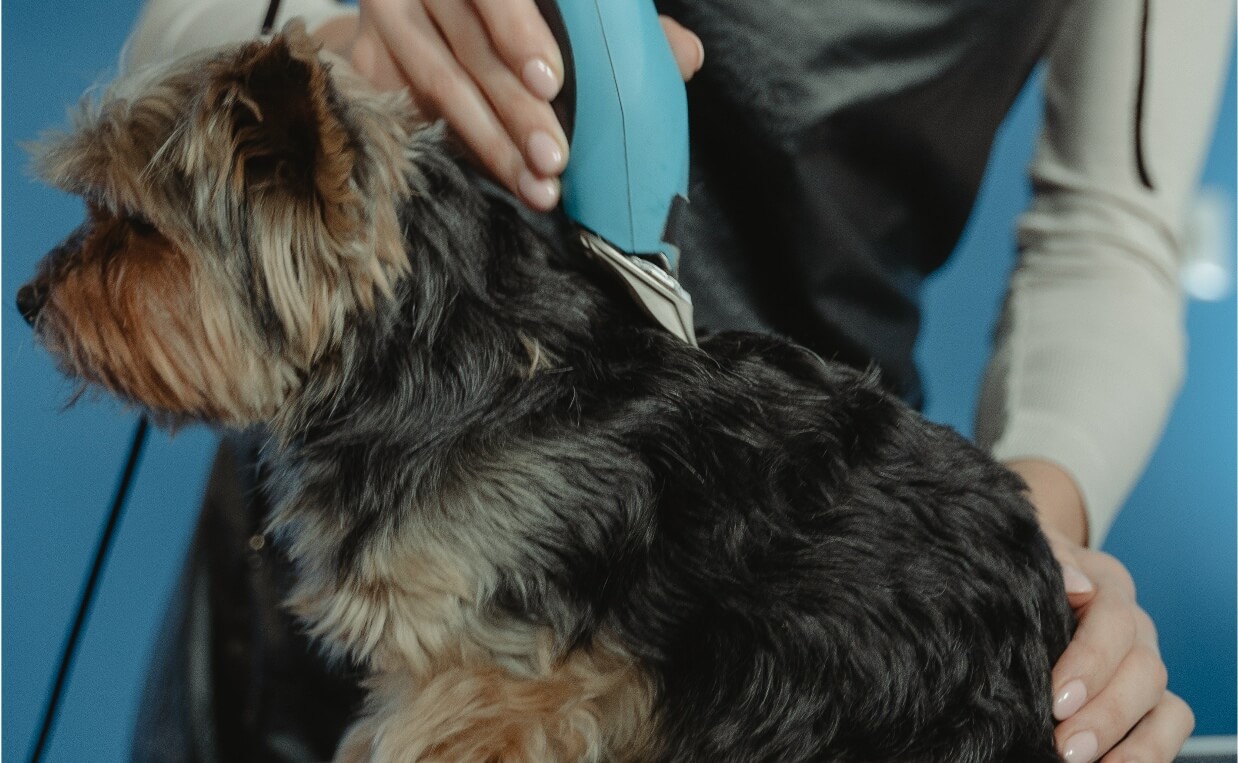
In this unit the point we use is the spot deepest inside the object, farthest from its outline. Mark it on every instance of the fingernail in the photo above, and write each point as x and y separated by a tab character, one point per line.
541	79
1075	580
544	153
1069	700
700	53
540	193
1081	748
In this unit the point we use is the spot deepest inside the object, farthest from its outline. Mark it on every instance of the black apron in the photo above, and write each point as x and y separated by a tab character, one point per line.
837	150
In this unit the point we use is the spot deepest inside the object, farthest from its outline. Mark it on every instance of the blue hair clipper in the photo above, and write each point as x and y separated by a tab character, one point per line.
624	109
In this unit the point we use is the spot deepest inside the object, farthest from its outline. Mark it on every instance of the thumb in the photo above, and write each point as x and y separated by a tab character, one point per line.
687	47
1079	586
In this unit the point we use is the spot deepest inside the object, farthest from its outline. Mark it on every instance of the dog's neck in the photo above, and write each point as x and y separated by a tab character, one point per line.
491	299
497	334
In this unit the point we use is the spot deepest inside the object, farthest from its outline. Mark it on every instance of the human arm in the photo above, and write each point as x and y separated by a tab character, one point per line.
1091	341
1089	351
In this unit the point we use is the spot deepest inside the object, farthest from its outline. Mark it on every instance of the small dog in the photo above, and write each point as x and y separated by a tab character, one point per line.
548	530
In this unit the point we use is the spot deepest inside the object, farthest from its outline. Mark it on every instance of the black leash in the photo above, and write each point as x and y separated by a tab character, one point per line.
89	588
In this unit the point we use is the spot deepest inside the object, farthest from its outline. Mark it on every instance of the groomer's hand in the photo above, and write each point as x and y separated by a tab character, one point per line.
489	68
1109	685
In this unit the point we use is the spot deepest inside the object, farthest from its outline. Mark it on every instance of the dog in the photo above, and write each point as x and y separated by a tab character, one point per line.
547	529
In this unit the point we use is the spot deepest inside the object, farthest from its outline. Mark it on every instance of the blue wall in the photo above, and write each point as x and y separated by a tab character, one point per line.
60	466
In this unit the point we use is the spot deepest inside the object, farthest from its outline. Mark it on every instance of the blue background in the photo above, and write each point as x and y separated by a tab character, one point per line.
1177	533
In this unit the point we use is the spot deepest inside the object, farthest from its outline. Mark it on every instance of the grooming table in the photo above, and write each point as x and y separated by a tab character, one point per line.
1209	750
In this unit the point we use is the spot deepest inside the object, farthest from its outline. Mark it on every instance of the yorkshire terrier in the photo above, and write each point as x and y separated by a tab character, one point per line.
545	528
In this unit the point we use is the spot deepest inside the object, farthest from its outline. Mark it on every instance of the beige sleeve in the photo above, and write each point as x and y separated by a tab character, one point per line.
1090	349
169	28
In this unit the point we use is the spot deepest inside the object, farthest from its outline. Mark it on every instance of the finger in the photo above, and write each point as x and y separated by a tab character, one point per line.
687	48
337	34
529	121
1080	588
440	85
524	43
398	46
1103	567
1159	736
1136	688
370	59
370	54
1105	635
1108	622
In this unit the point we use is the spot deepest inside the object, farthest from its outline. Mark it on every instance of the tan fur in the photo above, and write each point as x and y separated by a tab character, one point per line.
593	706
539	359
325	252
315	272
452	684
153	327
451	681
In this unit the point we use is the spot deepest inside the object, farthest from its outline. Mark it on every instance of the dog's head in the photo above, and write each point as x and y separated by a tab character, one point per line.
240	205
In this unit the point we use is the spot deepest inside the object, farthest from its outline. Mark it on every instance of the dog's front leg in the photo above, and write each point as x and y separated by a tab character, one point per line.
485	714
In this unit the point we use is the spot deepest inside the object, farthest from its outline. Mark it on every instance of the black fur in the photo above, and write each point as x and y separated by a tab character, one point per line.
810	570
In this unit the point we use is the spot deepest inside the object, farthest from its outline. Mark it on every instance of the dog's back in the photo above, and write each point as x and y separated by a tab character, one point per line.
827	576
848	581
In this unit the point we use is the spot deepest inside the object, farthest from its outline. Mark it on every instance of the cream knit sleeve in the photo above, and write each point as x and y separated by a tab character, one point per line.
169	28
1089	350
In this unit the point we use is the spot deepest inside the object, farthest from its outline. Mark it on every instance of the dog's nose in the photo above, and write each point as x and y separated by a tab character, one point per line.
30	299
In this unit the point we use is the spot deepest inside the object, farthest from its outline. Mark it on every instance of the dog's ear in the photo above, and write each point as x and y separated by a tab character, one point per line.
313	165
287	132
293	168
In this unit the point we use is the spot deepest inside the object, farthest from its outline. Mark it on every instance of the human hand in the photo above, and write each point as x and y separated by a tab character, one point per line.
489	68
1109	686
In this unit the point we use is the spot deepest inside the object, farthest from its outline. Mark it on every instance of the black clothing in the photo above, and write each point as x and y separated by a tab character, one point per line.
837	149
234	678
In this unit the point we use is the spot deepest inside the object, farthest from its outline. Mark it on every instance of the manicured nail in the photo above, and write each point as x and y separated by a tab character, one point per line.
544	153
1081	748
540	193
1069	700
700	54
1075	580
541	79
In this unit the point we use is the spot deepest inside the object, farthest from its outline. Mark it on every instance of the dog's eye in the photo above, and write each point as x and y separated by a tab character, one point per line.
96	209
140	225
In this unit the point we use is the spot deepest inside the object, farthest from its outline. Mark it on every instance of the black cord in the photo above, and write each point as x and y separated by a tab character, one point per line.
1140	161
88	590
269	20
